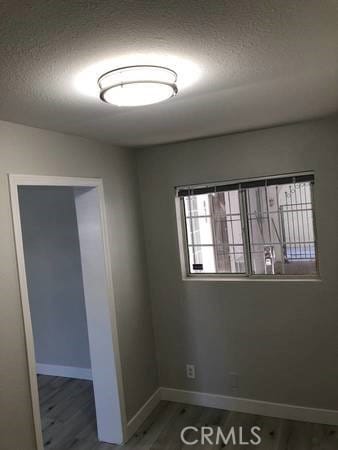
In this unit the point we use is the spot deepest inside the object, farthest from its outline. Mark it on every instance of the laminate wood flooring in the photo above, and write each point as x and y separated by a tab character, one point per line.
69	423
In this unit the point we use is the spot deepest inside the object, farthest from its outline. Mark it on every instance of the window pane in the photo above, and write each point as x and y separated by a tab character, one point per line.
216	259
199	231
230	259
280	220
203	256
214	233
231	202
197	205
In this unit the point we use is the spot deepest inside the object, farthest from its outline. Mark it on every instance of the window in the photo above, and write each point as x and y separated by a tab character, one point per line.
261	227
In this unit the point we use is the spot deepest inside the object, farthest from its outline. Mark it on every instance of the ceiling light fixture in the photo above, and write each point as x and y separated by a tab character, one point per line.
137	85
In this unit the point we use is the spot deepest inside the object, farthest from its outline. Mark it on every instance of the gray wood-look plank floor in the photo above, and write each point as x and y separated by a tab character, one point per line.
69	423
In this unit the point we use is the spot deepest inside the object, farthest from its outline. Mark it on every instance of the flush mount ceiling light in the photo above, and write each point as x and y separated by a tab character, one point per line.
137	85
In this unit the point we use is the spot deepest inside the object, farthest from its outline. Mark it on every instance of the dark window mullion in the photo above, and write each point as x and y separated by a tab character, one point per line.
187	254
245	230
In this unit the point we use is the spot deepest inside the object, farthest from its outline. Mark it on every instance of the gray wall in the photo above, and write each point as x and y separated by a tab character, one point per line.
54	275
34	151
279	336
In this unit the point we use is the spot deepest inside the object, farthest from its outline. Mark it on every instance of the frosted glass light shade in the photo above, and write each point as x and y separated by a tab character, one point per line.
137	85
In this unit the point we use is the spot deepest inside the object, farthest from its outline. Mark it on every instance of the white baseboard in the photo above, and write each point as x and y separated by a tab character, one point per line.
143	413
64	371
245	405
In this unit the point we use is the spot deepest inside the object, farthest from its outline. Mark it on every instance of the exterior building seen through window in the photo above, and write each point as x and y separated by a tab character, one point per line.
260	227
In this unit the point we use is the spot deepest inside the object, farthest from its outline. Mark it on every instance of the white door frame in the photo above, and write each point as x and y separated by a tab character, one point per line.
15	181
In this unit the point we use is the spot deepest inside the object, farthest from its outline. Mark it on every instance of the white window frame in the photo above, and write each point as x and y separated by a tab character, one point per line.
248	276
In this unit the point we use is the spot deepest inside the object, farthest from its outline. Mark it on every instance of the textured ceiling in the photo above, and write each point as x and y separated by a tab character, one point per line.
255	63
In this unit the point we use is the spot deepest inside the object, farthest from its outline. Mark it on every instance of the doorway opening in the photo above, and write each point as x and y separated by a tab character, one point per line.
68	306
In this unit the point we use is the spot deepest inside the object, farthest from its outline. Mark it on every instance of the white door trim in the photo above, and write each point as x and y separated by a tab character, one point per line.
16	180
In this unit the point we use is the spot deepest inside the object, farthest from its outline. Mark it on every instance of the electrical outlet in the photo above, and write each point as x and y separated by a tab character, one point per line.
190	370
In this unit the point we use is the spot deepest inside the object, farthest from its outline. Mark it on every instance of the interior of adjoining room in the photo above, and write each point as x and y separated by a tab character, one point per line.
60	238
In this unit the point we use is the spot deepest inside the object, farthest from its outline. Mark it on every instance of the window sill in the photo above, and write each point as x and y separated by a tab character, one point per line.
255	279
